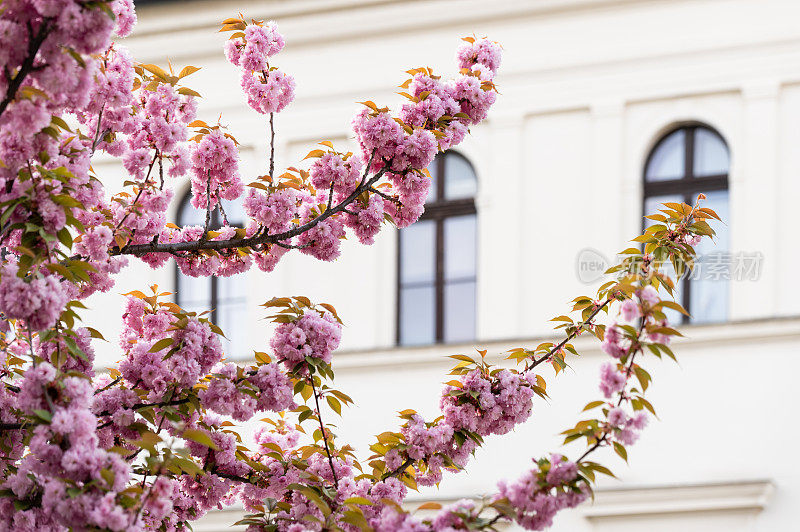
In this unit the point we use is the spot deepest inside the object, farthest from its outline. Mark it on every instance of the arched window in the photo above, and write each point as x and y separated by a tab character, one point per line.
225	297
436	282
687	161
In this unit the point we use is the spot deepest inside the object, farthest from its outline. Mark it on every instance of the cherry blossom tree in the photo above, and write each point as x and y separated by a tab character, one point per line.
153	443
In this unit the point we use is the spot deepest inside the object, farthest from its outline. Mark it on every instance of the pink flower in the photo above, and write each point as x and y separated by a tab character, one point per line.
648	295
630	310
611	380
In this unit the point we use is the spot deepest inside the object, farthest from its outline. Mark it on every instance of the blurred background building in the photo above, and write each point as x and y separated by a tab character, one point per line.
607	107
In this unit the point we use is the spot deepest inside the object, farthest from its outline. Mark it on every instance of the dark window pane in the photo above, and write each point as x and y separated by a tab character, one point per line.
417	320
459	178
667	161
710	154
418	253
459	311
459	247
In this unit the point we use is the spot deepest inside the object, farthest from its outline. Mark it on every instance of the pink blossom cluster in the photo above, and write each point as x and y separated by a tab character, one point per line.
215	170
481	406
115	405
65	454
241	396
332	170
480	55
314	334
366	220
540	493
268	90
219	458
381	135
437	118
615	343
488	404
268	258
280	475
39	300
82	361
626	428
60	80
273	211
195	349
612	379
323	240
259	43
433	446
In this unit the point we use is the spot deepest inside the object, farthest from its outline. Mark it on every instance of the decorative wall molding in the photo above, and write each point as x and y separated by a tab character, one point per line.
751	495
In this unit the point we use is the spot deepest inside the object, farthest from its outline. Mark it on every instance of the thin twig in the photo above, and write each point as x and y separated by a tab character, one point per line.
271	144
322	429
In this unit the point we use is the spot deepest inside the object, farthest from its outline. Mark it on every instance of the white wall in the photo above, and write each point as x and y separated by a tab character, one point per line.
587	87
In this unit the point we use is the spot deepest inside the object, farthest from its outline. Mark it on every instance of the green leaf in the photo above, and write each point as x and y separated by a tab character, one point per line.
44	415
335	405
201	437
161	344
620	450
358	500
593	404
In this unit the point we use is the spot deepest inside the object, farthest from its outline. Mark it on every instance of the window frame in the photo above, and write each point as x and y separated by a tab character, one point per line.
437	211
687	185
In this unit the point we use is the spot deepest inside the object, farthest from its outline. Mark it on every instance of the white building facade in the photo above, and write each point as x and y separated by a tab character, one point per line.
598	98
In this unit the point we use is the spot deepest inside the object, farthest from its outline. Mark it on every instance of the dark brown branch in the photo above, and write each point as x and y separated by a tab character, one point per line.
570	336
35	42
322	429
247	242
399	470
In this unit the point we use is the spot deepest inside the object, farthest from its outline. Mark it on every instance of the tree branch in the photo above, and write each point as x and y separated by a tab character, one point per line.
322	429
34	43
247	242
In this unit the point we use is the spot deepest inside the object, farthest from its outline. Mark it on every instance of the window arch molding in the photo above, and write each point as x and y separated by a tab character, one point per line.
437	259
687	159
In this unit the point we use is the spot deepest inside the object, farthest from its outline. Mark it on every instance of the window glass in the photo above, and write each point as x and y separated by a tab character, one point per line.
459	311
459	247
668	159
418	253
417	318
710	154
459	178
